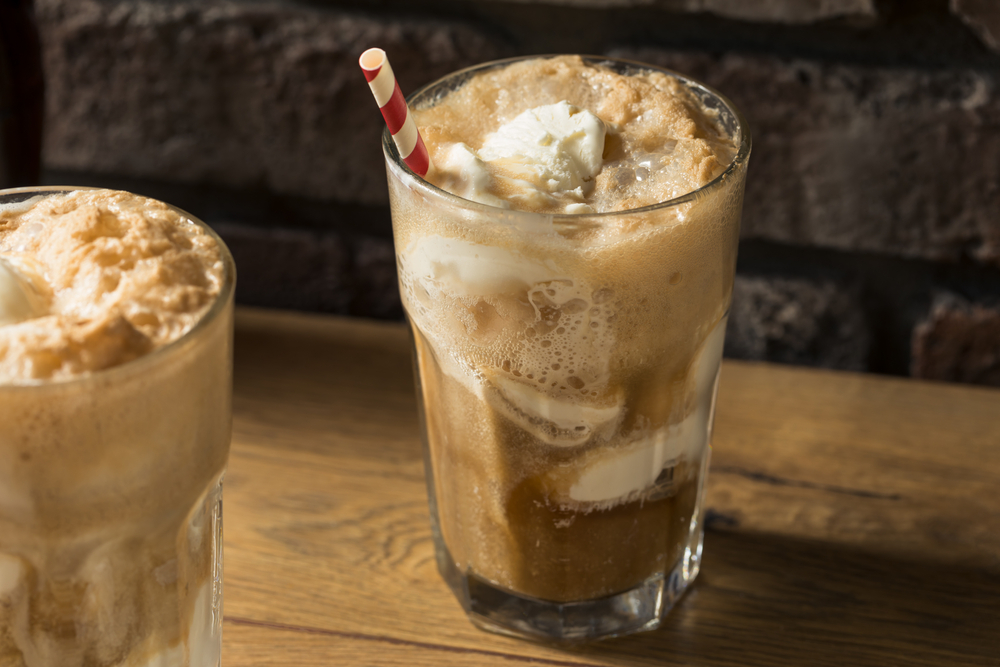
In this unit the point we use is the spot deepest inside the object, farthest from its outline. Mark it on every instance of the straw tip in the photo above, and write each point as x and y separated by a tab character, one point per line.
372	59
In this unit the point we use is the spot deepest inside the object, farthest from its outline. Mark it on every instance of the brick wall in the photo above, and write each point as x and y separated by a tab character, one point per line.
872	219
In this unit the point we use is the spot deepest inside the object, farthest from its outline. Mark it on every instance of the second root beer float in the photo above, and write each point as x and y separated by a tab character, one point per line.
567	267
115	393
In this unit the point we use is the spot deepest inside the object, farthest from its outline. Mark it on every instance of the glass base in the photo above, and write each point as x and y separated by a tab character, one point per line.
636	610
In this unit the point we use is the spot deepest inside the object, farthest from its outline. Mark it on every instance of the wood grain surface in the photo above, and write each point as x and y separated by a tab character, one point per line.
853	520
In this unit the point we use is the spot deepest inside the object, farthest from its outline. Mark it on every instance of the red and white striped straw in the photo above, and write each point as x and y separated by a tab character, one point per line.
392	104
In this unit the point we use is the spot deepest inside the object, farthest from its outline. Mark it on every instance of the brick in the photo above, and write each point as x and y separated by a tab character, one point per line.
233	94
376	291
958	341
797	321
763	11
983	16
791	11
889	160
310	270
285	268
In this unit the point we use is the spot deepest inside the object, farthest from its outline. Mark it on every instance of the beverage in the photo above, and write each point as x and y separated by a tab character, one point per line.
115	385
567	270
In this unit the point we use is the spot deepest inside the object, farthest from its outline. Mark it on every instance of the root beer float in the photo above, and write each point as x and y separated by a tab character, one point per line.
115	384
566	265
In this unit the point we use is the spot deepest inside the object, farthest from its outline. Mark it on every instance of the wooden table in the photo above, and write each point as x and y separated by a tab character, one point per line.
854	520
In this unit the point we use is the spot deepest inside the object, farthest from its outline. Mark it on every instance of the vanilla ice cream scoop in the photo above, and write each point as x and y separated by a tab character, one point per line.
20	297
544	159
562	144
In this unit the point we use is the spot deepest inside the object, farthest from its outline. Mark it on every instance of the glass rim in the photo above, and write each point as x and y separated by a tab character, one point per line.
221	302
391	152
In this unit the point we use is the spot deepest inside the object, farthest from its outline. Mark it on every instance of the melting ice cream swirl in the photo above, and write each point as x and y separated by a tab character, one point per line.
546	158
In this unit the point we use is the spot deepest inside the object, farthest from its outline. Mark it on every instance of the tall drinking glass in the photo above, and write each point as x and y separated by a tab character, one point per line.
567	368
111	502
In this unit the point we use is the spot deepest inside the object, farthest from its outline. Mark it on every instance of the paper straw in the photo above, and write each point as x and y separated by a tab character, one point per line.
392	104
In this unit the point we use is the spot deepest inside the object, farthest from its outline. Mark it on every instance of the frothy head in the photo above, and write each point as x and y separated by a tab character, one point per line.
91	279
576	137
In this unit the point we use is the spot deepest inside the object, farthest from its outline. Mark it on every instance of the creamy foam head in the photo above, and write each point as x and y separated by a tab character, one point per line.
575	137
93	278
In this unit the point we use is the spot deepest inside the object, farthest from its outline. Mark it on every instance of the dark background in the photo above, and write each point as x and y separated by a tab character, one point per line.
871	229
